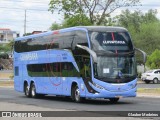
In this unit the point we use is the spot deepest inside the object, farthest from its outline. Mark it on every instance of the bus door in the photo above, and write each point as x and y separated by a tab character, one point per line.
85	70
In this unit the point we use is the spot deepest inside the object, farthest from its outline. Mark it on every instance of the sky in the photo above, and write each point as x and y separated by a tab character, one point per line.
38	18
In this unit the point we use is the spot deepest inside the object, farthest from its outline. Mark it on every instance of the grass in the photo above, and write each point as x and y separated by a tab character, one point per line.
148	91
6	75
7	83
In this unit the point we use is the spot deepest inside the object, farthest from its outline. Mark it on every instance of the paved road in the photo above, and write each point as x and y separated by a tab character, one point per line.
125	104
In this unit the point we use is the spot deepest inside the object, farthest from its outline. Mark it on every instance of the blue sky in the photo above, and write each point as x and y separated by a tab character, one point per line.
39	18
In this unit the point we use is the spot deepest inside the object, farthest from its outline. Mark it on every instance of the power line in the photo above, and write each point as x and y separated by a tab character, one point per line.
24	1
25	9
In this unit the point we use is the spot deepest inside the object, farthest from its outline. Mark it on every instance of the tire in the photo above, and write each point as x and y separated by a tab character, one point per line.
155	80
33	91
113	100
76	94
147	81
27	91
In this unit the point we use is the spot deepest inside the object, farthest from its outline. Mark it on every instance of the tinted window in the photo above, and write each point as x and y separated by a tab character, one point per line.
111	41
157	72
56	41
80	38
64	69
16	71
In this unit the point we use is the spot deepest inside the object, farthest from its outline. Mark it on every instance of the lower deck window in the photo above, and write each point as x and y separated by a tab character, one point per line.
59	69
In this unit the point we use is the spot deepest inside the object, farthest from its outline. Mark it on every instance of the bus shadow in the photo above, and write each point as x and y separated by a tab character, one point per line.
86	101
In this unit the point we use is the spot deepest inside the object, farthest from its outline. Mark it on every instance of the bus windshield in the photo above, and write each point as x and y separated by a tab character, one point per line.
111	41
111	68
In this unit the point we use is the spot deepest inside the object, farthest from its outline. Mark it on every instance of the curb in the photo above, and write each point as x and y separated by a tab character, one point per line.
7	87
148	96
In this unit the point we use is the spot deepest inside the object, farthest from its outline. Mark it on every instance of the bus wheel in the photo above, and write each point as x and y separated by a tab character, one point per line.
76	94
27	90
33	91
113	100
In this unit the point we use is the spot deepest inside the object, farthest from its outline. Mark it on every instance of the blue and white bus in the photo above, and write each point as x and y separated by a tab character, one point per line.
79	62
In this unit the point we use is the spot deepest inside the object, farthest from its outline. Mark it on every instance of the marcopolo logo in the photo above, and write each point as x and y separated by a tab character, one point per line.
114	42
29	56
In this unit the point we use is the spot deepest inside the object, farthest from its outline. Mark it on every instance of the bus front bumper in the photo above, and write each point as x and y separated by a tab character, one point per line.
109	94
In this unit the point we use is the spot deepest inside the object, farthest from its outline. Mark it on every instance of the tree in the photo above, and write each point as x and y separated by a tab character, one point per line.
130	20
96	10
26	34
55	26
4	48
148	37
10	45
134	20
154	60
76	20
144	28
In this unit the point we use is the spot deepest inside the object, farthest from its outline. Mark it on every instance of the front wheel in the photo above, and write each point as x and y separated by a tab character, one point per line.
113	100
76	94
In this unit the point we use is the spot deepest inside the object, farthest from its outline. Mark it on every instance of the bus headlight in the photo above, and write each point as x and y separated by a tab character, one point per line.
98	86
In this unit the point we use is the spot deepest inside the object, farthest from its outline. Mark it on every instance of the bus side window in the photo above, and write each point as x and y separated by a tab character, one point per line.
80	38
16	71
87	68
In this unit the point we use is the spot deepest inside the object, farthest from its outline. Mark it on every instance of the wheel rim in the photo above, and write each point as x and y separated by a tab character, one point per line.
27	90
33	91
155	80
77	95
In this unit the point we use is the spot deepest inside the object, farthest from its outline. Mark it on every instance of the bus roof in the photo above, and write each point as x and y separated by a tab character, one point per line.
104	28
84	28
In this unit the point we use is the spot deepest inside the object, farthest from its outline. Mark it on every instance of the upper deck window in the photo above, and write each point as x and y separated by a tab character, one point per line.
111	41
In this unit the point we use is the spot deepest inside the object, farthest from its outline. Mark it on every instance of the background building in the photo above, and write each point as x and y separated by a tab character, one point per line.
6	35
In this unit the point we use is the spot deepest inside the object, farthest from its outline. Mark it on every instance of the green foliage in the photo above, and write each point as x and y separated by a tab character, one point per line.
27	34
5	48
148	37
144	28
153	60
97	11
77	20
55	26
133	21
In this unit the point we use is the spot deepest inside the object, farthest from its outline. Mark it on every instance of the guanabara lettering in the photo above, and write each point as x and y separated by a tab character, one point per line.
29	56
114	42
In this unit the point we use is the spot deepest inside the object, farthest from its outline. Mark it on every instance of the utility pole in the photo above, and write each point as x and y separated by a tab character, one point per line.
25	22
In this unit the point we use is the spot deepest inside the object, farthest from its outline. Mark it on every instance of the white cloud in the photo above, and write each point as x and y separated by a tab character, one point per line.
144	7
12	13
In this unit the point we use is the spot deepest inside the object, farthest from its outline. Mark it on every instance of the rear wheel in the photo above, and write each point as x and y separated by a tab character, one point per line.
113	100
33	91
27	90
147	81
155	80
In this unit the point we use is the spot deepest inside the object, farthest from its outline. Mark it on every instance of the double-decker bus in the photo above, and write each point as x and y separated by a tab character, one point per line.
79	62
